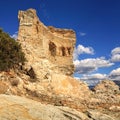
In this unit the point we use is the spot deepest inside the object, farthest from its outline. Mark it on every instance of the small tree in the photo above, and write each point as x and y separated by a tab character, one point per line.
11	55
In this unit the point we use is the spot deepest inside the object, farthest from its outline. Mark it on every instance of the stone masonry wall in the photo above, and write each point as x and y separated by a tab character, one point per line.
48	50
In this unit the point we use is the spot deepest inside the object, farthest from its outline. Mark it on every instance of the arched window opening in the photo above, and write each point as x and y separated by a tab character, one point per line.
69	50
52	48
63	51
37	29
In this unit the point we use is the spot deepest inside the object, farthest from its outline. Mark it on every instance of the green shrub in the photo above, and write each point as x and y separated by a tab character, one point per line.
11	55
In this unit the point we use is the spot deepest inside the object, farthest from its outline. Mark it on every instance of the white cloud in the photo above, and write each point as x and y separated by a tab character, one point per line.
15	35
82	34
91	64
93	79
115	54
87	50
86	67
77	78
115	74
115	58
97	76
80	49
115	51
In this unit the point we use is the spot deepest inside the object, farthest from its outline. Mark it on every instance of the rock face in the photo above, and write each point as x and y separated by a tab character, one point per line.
20	108
62	90
107	86
47	49
107	92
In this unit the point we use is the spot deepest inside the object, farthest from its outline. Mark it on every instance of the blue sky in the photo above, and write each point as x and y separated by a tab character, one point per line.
97	27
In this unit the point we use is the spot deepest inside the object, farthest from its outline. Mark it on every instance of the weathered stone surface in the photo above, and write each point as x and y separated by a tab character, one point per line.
62	90
107	86
48	50
67	92
115	108
107	92
20	108
69	86
95	115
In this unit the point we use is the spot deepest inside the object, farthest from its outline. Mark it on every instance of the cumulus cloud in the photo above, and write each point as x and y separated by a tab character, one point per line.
116	58
15	35
86	67
80	49
96	76
115	74
115	54
116	51
93	79
82	34
91	64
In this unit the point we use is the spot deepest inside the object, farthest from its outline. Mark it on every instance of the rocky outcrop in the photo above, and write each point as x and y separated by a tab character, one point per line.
107	92
107	86
63	85
48	50
105	97
96	115
62	90
64	94
20	108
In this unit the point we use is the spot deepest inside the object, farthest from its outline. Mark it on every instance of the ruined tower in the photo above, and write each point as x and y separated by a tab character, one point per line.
48	50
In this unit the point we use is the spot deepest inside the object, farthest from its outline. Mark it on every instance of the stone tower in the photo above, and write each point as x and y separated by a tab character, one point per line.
48	50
